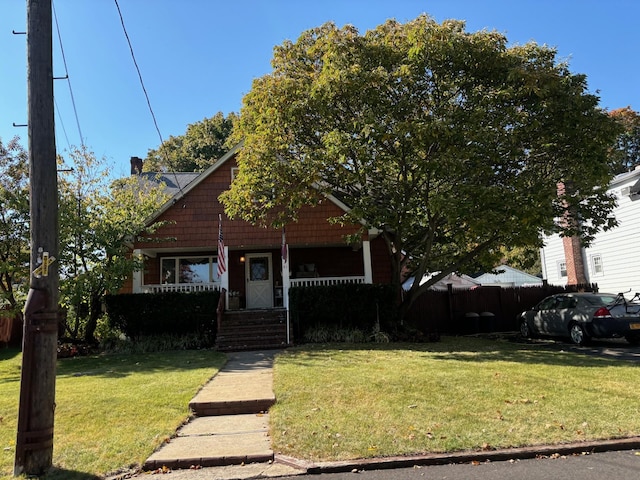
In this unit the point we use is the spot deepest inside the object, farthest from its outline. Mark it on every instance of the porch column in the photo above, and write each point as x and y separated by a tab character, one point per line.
286	284
136	278
366	257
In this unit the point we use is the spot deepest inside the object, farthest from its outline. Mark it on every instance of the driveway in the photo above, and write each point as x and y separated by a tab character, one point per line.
608	348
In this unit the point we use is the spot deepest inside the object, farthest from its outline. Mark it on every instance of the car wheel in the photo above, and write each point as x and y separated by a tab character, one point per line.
525	331
633	339
578	335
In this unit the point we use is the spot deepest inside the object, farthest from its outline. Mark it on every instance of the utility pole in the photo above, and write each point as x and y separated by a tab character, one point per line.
34	443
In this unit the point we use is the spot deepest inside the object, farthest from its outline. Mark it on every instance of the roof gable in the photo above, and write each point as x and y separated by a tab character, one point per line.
181	183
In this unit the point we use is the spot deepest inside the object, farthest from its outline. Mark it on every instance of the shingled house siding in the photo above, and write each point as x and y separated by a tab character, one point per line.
194	222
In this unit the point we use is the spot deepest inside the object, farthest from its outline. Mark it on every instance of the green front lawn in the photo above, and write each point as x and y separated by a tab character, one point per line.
112	411
341	402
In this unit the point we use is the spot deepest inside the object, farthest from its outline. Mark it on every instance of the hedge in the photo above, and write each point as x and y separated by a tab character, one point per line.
345	306
146	314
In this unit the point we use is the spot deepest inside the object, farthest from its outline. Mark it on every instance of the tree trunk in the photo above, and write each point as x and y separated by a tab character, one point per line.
95	311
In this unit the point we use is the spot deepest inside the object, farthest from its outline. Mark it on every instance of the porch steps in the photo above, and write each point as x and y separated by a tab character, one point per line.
243	330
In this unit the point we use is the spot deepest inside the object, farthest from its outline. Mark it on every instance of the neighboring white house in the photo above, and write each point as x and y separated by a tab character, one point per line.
507	276
613	258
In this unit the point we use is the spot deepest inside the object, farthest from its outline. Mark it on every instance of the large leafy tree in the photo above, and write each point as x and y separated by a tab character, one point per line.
201	145
98	218
14	225
626	154
451	144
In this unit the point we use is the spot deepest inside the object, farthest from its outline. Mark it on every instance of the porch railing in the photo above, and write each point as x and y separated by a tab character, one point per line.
181	287
324	281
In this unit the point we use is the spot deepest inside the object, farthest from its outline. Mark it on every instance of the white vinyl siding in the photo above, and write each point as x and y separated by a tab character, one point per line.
613	258
552	256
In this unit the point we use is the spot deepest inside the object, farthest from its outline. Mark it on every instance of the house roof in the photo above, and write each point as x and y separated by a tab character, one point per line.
461	281
626	176
507	275
173	182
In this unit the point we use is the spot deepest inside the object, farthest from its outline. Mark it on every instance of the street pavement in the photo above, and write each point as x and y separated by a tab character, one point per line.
619	465
623	465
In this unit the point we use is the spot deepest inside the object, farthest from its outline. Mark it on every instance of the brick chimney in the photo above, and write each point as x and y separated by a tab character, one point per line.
136	165
574	260
573	256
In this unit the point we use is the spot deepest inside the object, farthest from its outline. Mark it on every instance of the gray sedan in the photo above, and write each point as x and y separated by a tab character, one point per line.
582	316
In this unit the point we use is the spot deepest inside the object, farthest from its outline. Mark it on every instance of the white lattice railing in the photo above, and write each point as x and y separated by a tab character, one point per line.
323	281
180	287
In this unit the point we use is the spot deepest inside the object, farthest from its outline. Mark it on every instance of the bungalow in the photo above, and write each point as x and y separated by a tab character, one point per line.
255	266
612	260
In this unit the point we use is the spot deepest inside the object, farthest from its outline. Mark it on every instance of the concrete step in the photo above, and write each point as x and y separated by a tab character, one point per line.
236	392
216	441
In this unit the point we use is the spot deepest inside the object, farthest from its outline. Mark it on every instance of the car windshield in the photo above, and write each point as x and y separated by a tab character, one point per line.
600	300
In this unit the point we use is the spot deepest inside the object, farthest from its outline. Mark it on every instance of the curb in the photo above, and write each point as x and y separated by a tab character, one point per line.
497	455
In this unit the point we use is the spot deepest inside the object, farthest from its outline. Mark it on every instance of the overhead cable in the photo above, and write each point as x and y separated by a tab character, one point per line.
66	71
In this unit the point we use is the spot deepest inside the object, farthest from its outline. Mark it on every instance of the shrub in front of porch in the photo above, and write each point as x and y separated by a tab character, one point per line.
347	312
164	314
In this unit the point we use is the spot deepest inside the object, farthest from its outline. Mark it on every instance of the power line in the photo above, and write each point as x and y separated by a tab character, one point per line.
66	71
146	95
64	130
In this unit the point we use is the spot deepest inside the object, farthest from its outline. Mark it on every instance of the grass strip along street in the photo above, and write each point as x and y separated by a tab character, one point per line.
339	402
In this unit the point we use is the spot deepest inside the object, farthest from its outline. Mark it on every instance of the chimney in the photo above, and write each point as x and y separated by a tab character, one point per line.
136	165
572	246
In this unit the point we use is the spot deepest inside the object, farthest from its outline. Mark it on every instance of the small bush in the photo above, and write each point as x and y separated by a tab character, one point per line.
160	343
334	334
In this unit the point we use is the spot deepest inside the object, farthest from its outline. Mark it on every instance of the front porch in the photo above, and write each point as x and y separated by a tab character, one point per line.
257	279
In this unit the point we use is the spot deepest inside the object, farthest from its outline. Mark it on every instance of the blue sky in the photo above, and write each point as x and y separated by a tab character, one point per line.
198	57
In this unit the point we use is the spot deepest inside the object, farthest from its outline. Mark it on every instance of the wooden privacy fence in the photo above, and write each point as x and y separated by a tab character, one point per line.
10	329
480	310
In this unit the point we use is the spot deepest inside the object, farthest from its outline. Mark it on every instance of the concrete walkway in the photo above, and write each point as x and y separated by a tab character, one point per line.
231	427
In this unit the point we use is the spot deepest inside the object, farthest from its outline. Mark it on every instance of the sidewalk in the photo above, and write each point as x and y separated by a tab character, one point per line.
230	430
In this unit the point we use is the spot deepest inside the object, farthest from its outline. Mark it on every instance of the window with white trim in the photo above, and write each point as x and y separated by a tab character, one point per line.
562	269
596	264
193	269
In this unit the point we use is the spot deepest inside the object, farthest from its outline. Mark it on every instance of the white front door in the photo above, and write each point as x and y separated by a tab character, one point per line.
259	277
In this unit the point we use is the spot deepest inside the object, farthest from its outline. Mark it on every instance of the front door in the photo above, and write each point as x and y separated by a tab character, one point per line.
259	277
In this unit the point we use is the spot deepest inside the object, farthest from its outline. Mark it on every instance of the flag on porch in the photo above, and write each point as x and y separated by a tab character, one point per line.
285	247
222	261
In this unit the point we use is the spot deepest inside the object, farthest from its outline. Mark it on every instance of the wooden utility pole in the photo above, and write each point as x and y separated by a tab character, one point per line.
34	443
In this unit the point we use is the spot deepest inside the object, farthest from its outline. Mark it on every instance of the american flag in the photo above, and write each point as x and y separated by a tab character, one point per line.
222	261
285	248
